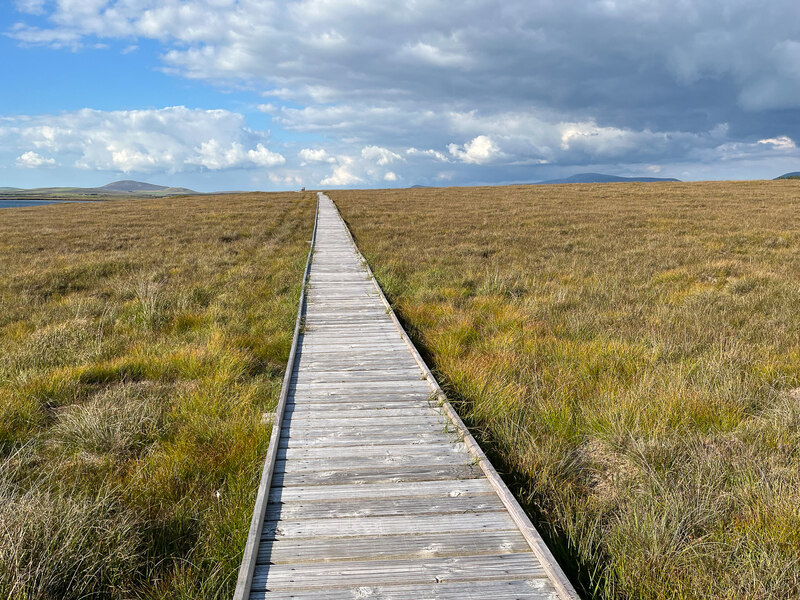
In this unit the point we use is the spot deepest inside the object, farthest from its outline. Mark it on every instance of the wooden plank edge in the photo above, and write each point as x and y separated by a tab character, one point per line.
554	572
244	580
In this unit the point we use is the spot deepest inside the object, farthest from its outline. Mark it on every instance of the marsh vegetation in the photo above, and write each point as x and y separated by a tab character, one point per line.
629	354
140	344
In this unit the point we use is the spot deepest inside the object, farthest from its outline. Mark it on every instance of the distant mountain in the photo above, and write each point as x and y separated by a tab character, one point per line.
792	175
419	186
117	189
602	178
127	185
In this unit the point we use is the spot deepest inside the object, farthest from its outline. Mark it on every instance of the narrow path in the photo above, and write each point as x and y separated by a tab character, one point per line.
375	488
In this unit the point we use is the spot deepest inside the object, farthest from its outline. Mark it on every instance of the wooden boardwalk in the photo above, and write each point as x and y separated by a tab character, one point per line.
373	488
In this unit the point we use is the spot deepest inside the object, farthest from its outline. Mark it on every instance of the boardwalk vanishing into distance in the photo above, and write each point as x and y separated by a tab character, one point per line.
372	487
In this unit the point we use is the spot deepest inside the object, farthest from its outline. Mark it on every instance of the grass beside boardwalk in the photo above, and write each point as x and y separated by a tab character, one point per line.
630	355
140	343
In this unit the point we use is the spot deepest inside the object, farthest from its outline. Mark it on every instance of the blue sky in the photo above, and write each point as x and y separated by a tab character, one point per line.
252	94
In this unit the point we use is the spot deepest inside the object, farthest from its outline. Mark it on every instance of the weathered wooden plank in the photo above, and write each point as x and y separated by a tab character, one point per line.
340	276
388	340
390	370
363	345
326	368
347	329
427	545
332	312
326	290
364	421
384	507
344	326
389	525
393	350
345	408
366	294
353	430
343	395
390	473
383	398
355	360
357	463
386	572
331	328
335	377
379	366
387	450
363	440
401	489
322	412
375	386
522	589
356	350
366	324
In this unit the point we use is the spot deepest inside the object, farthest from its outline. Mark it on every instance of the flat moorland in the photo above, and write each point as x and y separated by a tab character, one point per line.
140	344
629	354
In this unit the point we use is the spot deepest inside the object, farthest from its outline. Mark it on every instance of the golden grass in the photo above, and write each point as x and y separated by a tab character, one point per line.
140	343
627	354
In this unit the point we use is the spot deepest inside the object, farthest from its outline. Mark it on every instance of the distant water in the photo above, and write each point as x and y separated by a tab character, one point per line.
15	203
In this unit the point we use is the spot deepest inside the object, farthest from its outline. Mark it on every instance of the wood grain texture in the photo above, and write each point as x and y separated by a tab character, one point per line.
382	507
532	589
380	490
308	576
387	526
423	545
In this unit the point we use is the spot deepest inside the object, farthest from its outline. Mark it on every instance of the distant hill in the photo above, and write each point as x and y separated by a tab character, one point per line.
792	175
419	186
130	186
602	178
117	189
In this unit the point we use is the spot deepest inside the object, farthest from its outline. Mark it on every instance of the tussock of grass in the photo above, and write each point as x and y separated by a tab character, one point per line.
57	544
627	354
140	343
117	422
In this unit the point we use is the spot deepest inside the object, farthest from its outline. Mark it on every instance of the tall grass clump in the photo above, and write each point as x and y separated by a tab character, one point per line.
57	543
141	341
629	356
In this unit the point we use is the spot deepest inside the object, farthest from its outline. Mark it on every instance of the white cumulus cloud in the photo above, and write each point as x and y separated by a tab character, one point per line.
171	140
381	156
480	150
316	155
342	174
33	160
